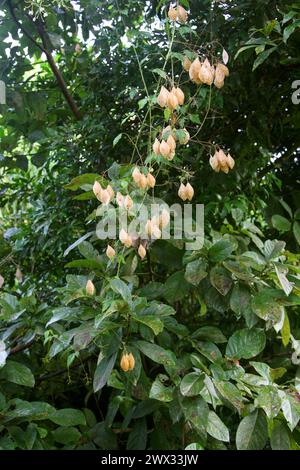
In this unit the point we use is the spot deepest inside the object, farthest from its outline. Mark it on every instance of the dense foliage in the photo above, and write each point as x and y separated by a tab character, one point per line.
214	332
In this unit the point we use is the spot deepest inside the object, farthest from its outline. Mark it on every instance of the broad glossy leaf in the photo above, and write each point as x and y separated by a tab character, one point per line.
252	433
246	343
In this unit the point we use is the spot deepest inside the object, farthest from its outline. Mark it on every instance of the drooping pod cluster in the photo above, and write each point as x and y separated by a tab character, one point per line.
143	181
186	192
127	362
221	161
103	195
178	14
170	99
167	145
204	72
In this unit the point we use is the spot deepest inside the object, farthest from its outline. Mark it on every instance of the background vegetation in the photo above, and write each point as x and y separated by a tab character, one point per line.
215	333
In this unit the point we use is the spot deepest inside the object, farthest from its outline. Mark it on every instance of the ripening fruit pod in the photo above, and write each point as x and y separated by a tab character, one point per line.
90	288
142	252
171	155
152	229
97	189
172	101
105	197
124	363
156	146
151	180
207	73
131	361
182	192
172	14
179	95
136	175
164	149
120	199
213	161
184	139
110	191
222	68
182	14
189	191
195	70
125	238
110	252
230	161
186	64
164	219
163	96
127	203
221	157
143	182
218	83
171	143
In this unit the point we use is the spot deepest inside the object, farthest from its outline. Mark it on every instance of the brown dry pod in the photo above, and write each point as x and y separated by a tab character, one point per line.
124	363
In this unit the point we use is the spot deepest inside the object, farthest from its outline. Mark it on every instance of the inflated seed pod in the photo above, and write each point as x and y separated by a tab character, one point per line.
151	180
156	147
182	14
186	64
172	101
195	70
164	149
136	174
171	143
142	251
124	363
172	14
110	252
189	191
90	288
179	95
163	96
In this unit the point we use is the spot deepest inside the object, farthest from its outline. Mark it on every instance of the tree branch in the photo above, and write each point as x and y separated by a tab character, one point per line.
42	33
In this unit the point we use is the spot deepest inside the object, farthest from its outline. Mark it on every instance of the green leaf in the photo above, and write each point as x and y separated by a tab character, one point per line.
156	353
121	288
288	31
196	412
246	343
66	435
286	330
230	393
137	439
81	180
220	251
220	279
85	263
282	224
262	57
281	272
117	139
210	333
296	231
151	321
280	437
160	72
103	372
192	384
273	248
17	373
67	417
252	432
216	428
176	287
196	271
194	446
159	391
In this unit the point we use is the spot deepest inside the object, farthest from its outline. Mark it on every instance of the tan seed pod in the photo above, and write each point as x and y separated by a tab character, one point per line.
195	70
179	95
218	83
105	197
141	252
110	191
164	219
214	164
164	149
143	182
2	280
136	174
97	189
184	140
221	157
182	14
124	363
166	132
120	199
206	74
110	252
225	169
172	101
223	68
156	146
171	143
186	64
128	203
171	155
90	288
131	361
182	192
151	180
230	161
172	14
125	238
163	96
189	191
19	274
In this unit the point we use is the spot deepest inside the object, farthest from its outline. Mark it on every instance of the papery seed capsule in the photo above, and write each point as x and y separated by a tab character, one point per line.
195	70
171	155
171	143
221	157
136	174
163	97
120	199
97	189
166	132
225	169
90	288
156	146
110	191
218	83
182	14
172	101
230	161
128	203
182	192
206	74
105	197
19	274
156	232
125	238
223	68
164	219
148	228
214	164
184	140
110	252
164	149
186	64
179	95
143	182
124	363
172	14
189	191
151	180
142	252
131	361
